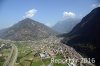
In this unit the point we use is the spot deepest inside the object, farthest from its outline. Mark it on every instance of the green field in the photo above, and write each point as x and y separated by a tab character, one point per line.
27	55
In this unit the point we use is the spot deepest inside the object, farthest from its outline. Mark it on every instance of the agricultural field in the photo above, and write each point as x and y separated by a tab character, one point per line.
30	53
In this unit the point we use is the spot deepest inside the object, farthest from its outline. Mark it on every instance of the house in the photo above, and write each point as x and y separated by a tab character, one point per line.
1	47
0	55
44	55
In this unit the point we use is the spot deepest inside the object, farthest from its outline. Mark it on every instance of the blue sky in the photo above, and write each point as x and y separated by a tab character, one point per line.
48	12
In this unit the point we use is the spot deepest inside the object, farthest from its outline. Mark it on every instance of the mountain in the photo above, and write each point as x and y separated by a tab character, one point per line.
27	29
85	36
66	26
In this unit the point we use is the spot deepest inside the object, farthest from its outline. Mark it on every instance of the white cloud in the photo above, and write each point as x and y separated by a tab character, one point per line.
68	14
30	13
95	5
48	24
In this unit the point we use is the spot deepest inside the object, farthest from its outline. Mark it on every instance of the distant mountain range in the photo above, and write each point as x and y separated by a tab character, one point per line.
85	36
66	26
27	29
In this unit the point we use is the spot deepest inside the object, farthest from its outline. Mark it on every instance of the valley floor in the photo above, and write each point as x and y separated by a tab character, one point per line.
37	53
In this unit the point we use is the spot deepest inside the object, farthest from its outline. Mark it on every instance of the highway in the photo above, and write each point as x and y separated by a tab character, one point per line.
11	60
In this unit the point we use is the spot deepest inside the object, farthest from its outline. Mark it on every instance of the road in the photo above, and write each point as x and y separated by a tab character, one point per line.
11	60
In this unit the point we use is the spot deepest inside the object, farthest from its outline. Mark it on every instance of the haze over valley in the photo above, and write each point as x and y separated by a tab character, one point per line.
49	33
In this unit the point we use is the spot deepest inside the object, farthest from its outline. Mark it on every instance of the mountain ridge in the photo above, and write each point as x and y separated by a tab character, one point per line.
27	29
66	25
85	36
